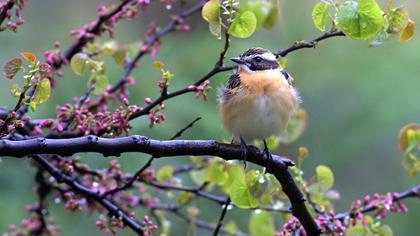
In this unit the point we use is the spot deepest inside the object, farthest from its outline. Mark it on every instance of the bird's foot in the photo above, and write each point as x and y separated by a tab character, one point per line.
267	154
245	150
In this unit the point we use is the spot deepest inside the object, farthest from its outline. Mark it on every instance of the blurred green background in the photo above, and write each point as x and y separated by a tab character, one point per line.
357	99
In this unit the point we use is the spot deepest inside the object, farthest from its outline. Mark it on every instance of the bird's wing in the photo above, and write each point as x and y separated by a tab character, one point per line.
233	82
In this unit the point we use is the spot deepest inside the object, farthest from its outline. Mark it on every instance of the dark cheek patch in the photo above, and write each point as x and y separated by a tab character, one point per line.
264	65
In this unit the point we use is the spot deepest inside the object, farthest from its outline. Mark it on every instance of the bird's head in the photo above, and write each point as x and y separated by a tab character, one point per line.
257	59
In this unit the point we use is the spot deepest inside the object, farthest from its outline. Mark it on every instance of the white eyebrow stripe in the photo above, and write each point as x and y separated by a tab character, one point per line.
268	56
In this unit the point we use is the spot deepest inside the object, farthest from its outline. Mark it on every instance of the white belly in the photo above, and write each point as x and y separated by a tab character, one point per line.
260	117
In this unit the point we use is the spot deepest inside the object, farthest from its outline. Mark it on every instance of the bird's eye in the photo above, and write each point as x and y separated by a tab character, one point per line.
258	59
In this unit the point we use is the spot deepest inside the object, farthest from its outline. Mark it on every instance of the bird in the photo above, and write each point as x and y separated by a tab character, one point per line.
258	100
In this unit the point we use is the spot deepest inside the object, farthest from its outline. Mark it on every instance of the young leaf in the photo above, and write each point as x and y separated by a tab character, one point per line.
319	14
211	11
397	18
385	230
216	173
261	224
158	65
101	83
403	135
15	90
30	57
12	67
164	173
78	63
119	56
240	193
361	20
357	230
42	91
215	29
408	32
325	177
244	25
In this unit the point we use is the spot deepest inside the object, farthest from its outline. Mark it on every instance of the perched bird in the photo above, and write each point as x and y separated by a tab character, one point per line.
259	98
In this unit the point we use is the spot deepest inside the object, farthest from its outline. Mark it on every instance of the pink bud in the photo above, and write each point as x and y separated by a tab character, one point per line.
148	100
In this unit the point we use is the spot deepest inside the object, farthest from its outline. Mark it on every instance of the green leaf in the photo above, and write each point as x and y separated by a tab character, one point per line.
385	230
261	224
101	83
282	62
244	25
119	56
164	173
254	186
32	105
357	230
184	198
240	193
211	11
215	29
231	227
361	20
397	18
216	173
12	67
15	90
325	177
266	12
42	91
319	15
78	63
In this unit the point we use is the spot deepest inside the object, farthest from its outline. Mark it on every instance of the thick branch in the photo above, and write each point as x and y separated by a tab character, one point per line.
134	143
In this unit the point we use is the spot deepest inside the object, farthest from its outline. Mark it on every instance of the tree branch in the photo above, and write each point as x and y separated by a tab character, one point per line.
411	193
307	44
95	30
222	216
3	13
112	208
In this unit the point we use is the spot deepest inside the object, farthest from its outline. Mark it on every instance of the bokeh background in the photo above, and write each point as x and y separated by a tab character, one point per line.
357	99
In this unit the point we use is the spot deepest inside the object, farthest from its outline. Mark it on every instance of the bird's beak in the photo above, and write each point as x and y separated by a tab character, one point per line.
237	60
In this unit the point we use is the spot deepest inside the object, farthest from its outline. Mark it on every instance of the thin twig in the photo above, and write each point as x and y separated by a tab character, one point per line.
222	216
307	44
411	193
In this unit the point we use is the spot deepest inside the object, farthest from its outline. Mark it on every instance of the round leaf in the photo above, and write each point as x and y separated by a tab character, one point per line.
398	19
78	63
211	11
403	136
360	20
240	193
295	127
325	177
164	173
244	25
42	91
12	67
101	83
319	14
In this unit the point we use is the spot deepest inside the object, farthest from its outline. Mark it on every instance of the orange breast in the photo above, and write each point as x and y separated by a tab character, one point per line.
263	83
